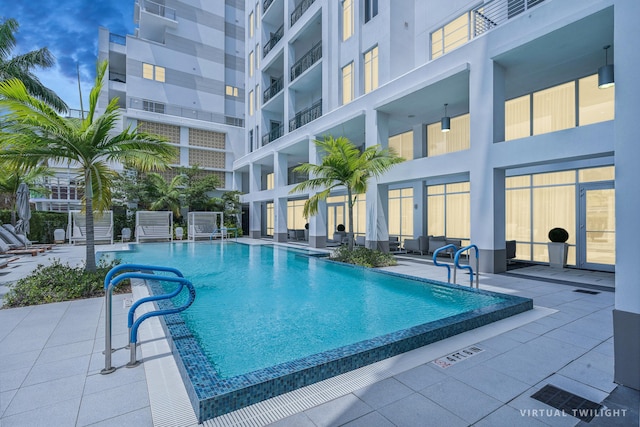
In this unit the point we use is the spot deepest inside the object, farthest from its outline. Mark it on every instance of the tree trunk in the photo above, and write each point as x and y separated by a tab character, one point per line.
91	252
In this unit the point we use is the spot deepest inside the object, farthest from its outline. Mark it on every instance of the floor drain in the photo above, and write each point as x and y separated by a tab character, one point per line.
584	291
568	403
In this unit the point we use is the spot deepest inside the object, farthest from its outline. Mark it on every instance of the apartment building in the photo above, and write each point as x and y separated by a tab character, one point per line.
181	75
507	112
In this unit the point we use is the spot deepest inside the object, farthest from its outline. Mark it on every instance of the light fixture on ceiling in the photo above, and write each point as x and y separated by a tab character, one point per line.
445	123
605	73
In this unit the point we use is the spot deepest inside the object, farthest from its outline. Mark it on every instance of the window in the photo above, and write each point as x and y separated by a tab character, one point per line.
295	219
251	64
449	211
251	147
347	83
152	72
402	144
257	56
347	19
371	70
270	219
370	9
152	106
270	181
554	108
517	118
596	105
457	139
257	15
251	103
257	96
401	213
231	91
251	23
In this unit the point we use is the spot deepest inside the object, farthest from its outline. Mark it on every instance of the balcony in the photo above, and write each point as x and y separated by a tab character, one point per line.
158	9
273	135
176	110
307	60
117	39
153	19
306	116
300	10
266	4
117	77
273	41
272	90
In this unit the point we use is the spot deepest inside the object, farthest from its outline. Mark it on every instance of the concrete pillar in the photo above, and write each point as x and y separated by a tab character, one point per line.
486	108
280	231
318	222
626	316
419	141
419	209
377	204
255	208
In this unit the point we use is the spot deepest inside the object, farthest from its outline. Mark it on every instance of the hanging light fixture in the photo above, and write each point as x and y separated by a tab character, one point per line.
605	73
445	123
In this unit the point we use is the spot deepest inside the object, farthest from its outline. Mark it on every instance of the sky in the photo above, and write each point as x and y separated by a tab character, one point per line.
69	29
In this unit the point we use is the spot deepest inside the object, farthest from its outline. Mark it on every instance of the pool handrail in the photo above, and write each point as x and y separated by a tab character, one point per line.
435	261
456	263
109	283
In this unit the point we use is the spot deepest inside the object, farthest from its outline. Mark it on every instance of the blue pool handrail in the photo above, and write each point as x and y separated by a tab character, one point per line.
435	261
456	263
111	283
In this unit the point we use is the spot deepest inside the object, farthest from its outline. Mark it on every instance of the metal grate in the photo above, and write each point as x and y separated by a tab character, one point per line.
568	403
584	291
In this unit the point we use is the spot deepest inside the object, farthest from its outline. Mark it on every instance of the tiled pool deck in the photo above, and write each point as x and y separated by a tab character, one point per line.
51	355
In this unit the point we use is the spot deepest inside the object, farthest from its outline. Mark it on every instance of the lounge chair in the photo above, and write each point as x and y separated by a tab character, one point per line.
204	225
102	227
24	241
7	250
154	225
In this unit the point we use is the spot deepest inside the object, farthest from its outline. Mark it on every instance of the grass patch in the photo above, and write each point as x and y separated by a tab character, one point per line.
60	282
363	256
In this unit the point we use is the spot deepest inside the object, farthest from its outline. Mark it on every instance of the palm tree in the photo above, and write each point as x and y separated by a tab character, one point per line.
36	133
169	195
343	165
20	67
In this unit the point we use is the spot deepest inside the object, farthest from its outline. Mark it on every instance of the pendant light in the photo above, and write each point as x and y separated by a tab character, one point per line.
445	123
605	73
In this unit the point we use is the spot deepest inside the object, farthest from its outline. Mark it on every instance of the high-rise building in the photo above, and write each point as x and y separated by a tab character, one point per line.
504	110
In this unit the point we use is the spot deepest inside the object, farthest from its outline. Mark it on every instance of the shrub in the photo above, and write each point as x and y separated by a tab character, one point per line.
58	282
558	235
363	256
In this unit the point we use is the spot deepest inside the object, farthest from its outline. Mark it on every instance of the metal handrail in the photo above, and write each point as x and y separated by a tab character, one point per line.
266	4
273	41
307	60
456	263
159	9
272	135
305	116
111	282
272	90
300	10
435	261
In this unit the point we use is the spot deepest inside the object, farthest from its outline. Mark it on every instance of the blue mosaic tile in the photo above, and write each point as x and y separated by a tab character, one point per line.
213	396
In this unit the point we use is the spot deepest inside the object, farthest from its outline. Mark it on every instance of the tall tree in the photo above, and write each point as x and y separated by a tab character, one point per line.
169	195
343	165
36	133
21	67
13	174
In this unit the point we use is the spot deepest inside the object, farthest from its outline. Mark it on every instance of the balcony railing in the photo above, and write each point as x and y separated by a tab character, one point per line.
175	110
300	10
117	39
273	41
117	77
272	90
307	60
158	9
273	135
266	5
305	116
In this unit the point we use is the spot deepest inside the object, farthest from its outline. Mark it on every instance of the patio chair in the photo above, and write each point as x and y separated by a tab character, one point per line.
419	244
204	225
154	225
5	249
24	241
102	227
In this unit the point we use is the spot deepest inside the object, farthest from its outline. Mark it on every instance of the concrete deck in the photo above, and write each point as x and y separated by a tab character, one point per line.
51	356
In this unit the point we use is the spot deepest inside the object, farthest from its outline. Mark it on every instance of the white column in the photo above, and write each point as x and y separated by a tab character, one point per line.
377	132
486	101
255	208
280	231
318	222
626	316
419	141
419	209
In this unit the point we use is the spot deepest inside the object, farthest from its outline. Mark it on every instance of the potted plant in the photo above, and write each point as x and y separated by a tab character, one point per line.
558	247
306	232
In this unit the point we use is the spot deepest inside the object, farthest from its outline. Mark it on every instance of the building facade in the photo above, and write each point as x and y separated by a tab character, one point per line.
497	108
181	75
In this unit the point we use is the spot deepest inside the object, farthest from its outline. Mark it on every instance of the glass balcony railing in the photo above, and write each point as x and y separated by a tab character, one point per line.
158	9
266	5
272	90
306	116
176	110
300	10
307	60
273	41
273	135
117	39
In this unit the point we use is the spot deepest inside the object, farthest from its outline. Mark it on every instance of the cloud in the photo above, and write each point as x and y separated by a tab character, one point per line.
69	30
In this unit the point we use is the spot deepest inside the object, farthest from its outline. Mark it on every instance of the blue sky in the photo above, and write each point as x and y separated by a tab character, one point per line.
69	28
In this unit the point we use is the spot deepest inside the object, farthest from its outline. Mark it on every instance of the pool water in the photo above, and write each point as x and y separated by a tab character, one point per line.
267	320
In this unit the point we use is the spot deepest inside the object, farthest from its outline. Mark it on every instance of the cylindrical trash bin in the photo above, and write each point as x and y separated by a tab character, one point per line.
58	235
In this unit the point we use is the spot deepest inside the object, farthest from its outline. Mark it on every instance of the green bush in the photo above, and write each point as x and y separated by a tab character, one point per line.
58	282
363	256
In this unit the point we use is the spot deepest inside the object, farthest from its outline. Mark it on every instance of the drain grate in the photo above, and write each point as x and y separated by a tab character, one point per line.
568	403
584	291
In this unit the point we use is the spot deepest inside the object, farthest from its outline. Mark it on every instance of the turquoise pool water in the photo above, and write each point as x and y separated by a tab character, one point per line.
260	306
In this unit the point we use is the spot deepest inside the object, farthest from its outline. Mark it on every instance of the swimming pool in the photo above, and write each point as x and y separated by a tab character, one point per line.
268	320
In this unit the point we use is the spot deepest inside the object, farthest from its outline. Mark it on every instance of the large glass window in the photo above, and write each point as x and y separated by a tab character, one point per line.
295	219
401	213
270	219
251	103
251	23
596	105
251	64
270	181
517	118
449	211
371	70
338	214
402	144
454	34
347	19
370	9
456	139
231	91
554	109
153	72
347	83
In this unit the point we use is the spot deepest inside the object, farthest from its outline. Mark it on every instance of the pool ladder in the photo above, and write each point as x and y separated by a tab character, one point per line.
456	263
134	271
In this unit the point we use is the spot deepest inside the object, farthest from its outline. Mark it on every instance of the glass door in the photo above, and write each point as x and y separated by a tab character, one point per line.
597	231
335	216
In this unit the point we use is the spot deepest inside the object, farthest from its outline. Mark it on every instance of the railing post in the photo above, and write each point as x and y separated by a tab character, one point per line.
107	333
